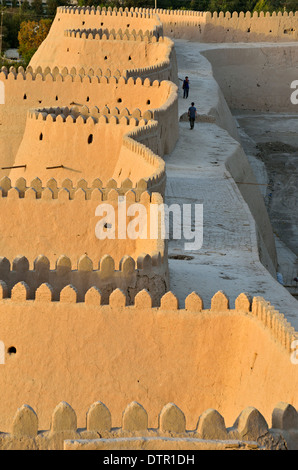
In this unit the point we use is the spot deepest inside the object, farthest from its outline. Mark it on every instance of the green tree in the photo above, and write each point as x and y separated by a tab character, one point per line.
263	5
291	5
31	35
25	6
37	8
52	5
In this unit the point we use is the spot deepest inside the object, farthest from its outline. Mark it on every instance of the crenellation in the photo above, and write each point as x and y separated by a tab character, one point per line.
281	330
21	281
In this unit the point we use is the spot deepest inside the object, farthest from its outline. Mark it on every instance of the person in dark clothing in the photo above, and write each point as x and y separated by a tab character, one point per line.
185	87
192	114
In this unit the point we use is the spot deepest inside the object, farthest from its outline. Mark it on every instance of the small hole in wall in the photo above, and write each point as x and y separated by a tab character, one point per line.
148	102
90	139
41	136
105	57
25	97
128	25
129	58
248	30
101	24
11	350
83	22
56	98
87	99
119	100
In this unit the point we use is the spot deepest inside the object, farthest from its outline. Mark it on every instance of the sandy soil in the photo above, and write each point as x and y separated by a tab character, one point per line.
271	143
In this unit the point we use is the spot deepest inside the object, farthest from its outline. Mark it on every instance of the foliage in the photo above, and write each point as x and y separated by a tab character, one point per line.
31	35
11	63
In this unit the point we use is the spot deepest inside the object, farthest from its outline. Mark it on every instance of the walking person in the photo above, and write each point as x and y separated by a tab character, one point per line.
185	87
192	114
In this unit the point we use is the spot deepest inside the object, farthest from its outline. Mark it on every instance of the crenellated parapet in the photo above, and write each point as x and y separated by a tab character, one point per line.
107	11
19	284
250	430
134	102
85	281
254	14
88	128
113	35
76	74
76	18
79	190
142	55
230	26
90	218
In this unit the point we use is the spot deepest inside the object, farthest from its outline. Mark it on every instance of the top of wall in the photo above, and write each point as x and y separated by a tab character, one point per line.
249	428
155	24
84	10
150	12
279	327
248	14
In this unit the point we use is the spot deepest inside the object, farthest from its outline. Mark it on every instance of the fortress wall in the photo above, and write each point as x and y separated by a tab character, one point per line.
89	17
230	27
62	139
85	352
49	144
256	78
182	24
24	91
69	226
121	53
138	153
167	117
166	69
247	27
